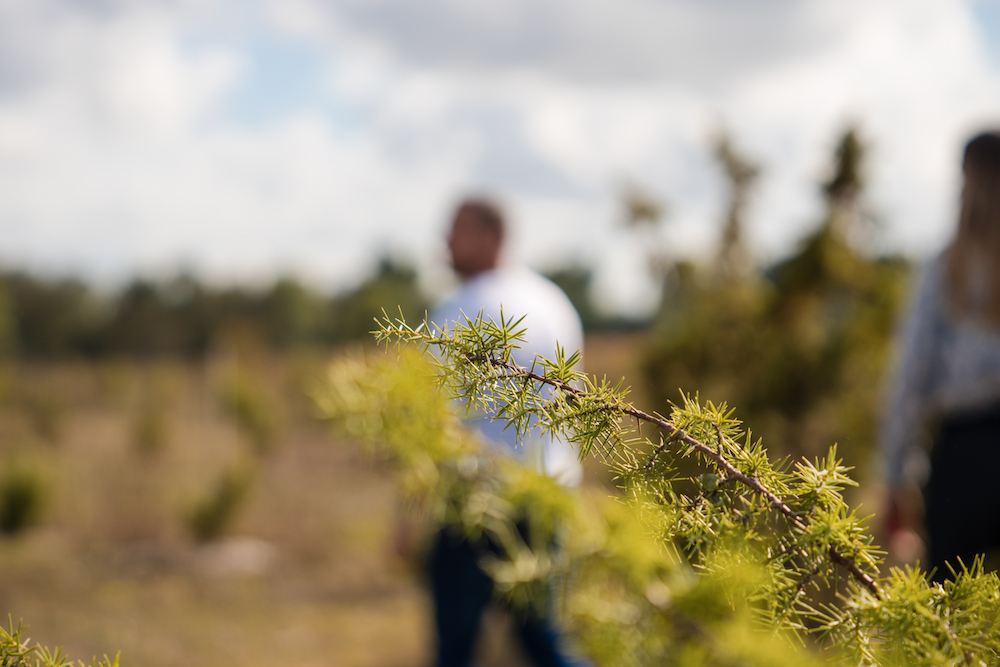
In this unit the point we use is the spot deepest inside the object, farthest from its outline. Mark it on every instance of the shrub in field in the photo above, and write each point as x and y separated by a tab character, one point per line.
45	409
18	651
805	368
151	428
210	517
801	348
254	412
22	496
732	565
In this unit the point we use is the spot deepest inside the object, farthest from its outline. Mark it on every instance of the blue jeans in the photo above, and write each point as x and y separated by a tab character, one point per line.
461	591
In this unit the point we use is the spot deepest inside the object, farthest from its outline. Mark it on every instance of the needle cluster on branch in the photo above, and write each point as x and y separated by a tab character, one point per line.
16	650
773	545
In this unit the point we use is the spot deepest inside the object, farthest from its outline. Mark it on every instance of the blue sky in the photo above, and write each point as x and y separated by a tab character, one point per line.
247	139
986	15
281	77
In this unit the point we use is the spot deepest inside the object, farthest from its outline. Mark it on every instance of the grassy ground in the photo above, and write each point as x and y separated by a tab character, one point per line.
301	573
299	576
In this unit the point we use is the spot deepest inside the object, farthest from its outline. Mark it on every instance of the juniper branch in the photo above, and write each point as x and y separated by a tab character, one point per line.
754	547
497	356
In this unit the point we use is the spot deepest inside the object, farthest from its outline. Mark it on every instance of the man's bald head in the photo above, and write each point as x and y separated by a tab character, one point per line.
476	237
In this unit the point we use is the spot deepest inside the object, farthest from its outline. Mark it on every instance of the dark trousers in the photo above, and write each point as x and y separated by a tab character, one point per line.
461	592
962	497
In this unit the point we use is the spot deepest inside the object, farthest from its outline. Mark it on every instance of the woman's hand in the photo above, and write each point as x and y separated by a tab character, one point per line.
902	508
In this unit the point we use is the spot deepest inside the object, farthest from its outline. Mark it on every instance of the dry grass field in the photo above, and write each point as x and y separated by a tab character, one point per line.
300	574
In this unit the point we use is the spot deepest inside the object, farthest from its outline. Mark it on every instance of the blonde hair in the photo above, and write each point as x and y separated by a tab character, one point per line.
973	259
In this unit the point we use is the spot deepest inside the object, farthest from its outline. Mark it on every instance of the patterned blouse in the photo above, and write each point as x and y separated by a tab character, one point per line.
944	367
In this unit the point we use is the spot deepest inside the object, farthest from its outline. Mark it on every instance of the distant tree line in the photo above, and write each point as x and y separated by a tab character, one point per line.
45	318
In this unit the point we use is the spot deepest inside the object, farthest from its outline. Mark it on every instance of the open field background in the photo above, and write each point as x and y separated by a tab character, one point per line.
197	513
301	572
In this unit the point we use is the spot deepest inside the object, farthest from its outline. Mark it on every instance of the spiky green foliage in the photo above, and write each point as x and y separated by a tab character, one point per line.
630	600
732	565
16	650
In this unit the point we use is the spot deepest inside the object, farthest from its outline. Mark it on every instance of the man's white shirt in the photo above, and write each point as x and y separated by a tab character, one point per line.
549	317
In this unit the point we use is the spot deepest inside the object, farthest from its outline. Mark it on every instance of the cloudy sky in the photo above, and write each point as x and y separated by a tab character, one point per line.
242	139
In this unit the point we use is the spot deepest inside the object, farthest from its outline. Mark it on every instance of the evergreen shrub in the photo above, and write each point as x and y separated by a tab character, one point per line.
745	562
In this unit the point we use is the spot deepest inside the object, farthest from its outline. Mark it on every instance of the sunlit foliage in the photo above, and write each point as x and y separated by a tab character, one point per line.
727	566
16	650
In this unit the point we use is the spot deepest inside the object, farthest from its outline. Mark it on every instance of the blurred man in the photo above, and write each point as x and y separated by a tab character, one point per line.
461	590
475	243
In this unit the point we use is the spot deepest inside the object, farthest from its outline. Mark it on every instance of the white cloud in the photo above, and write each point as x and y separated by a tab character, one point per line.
120	149
697	42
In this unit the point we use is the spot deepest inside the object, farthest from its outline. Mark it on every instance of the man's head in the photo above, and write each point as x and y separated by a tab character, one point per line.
476	237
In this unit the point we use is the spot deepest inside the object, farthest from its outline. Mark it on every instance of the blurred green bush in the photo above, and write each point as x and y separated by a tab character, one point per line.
22	496
800	347
209	517
247	401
